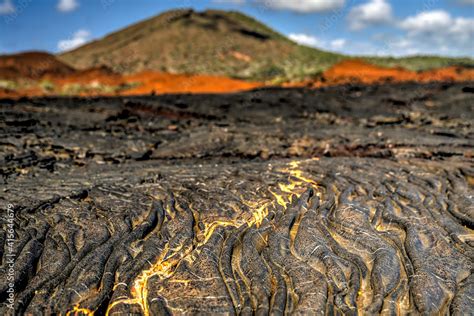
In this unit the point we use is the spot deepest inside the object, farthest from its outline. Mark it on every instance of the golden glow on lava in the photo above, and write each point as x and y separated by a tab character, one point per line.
79	311
163	269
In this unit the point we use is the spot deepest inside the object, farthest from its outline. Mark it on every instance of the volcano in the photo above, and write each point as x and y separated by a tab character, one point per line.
215	42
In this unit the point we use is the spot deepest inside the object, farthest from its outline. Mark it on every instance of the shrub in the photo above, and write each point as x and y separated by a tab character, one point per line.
8	84
47	86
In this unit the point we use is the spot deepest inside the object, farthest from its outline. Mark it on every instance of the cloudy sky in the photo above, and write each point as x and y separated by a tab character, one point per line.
356	27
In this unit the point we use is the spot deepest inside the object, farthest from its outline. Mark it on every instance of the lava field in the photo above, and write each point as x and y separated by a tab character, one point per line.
342	200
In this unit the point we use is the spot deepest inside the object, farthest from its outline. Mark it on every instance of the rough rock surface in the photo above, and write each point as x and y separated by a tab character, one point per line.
345	200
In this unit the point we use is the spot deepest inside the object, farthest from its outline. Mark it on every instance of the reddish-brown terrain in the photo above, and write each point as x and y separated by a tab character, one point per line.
101	74
363	72
39	74
28	73
32	65
180	83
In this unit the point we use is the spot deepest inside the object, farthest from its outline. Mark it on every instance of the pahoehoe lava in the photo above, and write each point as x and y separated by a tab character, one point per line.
344	200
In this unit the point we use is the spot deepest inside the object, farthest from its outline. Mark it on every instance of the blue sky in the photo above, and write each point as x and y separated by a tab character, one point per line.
358	27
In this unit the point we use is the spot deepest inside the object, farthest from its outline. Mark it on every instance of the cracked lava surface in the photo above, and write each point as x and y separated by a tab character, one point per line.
345	200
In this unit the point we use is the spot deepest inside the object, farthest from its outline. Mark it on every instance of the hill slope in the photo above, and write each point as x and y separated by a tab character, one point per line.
212	42
219	43
31	65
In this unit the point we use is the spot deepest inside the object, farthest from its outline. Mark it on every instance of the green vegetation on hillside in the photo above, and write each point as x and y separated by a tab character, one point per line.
418	63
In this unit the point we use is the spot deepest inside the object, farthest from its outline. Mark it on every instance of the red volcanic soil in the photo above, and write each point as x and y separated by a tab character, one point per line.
103	75
363	72
447	74
179	83
356	70
32	65
39	66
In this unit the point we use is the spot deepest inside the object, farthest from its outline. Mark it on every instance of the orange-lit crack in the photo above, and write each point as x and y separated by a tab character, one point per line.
297	183
164	268
79	311
161	269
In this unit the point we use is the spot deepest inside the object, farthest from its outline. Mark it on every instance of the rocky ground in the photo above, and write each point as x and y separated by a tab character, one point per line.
343	200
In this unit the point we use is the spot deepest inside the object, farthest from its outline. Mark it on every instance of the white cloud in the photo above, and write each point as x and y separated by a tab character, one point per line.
309	40
433	32
67	5
303	6
7	7
439	29
428	21
338	44
374	12
304	39
79	38
403	45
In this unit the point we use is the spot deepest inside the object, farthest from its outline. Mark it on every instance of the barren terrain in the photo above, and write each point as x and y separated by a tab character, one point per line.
343	200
